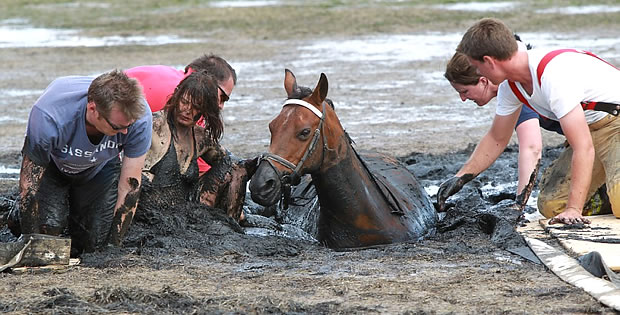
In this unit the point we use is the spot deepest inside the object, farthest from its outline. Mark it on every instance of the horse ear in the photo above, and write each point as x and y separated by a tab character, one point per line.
290	82
320	91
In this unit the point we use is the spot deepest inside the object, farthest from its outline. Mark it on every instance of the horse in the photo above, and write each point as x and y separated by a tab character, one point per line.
364	200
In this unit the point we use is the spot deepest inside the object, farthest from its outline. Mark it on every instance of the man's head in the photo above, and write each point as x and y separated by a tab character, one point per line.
117	99
488	44
221	70
488	37
197	96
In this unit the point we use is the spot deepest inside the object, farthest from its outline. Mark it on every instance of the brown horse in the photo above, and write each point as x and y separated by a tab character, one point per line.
363	202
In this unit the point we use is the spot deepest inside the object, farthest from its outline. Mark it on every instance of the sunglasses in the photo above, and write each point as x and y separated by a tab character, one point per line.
116	127
224	97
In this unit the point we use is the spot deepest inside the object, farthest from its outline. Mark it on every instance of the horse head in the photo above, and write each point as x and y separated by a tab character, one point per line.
301	137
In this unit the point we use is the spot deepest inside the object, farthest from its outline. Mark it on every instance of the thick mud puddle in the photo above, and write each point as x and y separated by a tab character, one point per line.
199	240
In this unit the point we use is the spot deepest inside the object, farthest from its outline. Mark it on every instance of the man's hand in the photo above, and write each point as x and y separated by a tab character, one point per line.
571	215
449	188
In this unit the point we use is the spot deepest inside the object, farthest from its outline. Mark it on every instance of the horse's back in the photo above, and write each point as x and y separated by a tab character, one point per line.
403	192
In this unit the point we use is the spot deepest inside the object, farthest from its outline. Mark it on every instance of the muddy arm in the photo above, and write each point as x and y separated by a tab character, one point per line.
224	185
29	182
487	151
128	194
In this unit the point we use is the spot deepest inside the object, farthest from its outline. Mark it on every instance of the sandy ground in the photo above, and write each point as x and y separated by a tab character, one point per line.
190	260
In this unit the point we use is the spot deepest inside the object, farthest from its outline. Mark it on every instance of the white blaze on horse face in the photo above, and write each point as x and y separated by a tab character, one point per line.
283	129
292	133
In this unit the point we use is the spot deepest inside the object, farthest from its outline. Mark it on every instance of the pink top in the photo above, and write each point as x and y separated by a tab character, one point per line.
158	83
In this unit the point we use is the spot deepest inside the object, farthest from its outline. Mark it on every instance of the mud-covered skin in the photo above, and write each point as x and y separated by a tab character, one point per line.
451	187
172	173
224	185
522	198
125	213
31	176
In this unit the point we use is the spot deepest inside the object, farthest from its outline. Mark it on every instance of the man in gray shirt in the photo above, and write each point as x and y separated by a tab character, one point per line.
83	154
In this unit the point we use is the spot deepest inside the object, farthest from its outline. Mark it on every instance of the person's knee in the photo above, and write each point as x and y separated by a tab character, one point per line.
550	208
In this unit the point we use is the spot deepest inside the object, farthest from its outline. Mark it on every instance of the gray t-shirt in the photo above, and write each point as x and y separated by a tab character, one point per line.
57	131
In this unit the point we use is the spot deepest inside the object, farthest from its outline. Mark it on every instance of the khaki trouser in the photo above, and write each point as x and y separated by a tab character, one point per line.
555	182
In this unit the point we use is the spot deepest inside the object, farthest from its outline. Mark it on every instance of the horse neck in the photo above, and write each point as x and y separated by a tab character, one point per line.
344	184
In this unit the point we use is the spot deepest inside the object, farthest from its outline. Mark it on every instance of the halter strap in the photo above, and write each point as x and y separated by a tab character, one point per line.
294	101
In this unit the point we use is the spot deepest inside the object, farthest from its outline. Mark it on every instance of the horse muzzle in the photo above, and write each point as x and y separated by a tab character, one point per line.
265	186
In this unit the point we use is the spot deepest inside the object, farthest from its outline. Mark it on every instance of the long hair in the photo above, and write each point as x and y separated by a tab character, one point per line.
200	89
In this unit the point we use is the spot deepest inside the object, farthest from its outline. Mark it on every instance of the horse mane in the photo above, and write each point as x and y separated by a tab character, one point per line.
304	91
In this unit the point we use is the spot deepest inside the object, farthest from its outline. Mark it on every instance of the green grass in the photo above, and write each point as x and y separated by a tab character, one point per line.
308	20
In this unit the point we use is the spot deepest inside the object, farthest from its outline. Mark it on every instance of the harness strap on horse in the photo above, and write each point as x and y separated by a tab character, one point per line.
295	176
611	108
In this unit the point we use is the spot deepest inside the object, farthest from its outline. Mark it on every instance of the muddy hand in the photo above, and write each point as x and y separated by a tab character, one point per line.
447	189
250	165
569	216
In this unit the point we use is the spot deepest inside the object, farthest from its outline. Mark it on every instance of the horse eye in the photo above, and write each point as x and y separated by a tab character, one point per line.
304	134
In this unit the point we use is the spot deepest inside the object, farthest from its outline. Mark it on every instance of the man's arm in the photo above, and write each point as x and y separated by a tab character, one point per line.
29	182
488	149
491	146
128	194
577	133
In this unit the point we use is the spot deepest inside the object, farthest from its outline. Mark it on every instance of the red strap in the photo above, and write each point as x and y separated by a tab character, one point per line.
521	98
588	105
545	60
541	68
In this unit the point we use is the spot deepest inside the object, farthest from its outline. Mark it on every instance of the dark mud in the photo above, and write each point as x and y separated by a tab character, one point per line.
189	258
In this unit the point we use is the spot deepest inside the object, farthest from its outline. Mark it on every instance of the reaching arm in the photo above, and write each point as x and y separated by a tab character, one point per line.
488	149
491	146
577	133
128	194
530	147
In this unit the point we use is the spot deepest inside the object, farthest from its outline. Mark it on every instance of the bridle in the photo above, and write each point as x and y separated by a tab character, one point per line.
294	177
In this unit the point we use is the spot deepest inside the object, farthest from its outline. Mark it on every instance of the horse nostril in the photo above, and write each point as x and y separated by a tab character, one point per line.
269	185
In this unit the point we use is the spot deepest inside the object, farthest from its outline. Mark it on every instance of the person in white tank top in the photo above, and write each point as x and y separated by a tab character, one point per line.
593	155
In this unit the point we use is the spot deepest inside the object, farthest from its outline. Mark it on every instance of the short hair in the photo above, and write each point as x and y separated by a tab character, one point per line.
115	88
201	89
488	37
215	65
460	71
